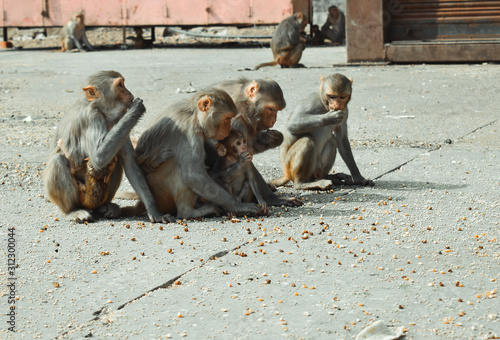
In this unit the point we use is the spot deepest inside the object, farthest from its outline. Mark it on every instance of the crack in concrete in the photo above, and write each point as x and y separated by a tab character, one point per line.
103	312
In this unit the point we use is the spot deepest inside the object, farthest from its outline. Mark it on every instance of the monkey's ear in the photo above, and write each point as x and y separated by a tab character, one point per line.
321	83
252	89
352	81
91	93
204	104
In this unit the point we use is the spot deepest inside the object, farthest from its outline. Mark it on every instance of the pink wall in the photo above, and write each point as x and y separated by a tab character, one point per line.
47	13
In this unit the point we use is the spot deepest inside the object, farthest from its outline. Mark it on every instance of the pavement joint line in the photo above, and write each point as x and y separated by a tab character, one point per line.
435	149
101	313
477	129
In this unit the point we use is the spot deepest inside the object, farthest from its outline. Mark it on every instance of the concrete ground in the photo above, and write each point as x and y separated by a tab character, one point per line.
420	250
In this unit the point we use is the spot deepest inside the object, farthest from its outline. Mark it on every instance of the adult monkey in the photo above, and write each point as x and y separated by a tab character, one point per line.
73	36
258	103
91	149
287	44
334	27
314	132
172	155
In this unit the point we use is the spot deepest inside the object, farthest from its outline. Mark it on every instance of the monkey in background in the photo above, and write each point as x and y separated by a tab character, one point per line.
287	44
235	172
334	27
73	36
93	148
314	132
139	41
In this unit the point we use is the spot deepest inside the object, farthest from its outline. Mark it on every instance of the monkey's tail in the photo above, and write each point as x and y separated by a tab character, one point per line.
134	210
272	63
126	195
279	182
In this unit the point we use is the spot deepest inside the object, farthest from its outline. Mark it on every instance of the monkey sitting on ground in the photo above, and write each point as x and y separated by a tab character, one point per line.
334	27
172	155
73	36
287	44
92	149
139	41
315	129
235	173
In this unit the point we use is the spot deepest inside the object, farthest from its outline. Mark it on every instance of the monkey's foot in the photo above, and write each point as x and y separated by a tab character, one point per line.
286	201
322	184
204	210
80	216
167	218
247	209
110	210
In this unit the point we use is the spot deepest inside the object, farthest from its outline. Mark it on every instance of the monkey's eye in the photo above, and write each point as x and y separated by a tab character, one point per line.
332	97
343	98
238	143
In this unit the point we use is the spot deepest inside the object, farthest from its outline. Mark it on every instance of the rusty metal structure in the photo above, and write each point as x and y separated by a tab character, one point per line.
412	31
149	13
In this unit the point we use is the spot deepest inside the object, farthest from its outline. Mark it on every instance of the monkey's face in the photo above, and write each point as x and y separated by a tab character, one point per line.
224	127
80	19
338	101
268	117
240	145
122	94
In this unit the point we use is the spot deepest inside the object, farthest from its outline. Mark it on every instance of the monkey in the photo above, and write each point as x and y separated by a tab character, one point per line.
258	103
317	37
314	132
287	44
72	35
93	148
140	42
237	175
171	152
334	27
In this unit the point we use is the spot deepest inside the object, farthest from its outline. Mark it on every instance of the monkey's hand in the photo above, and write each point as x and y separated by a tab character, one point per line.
156	217
265	208
245	157
137	108
362	181
221	149
270	138
334	117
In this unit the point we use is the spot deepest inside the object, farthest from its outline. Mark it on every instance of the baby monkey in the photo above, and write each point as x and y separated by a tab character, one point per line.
235	172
